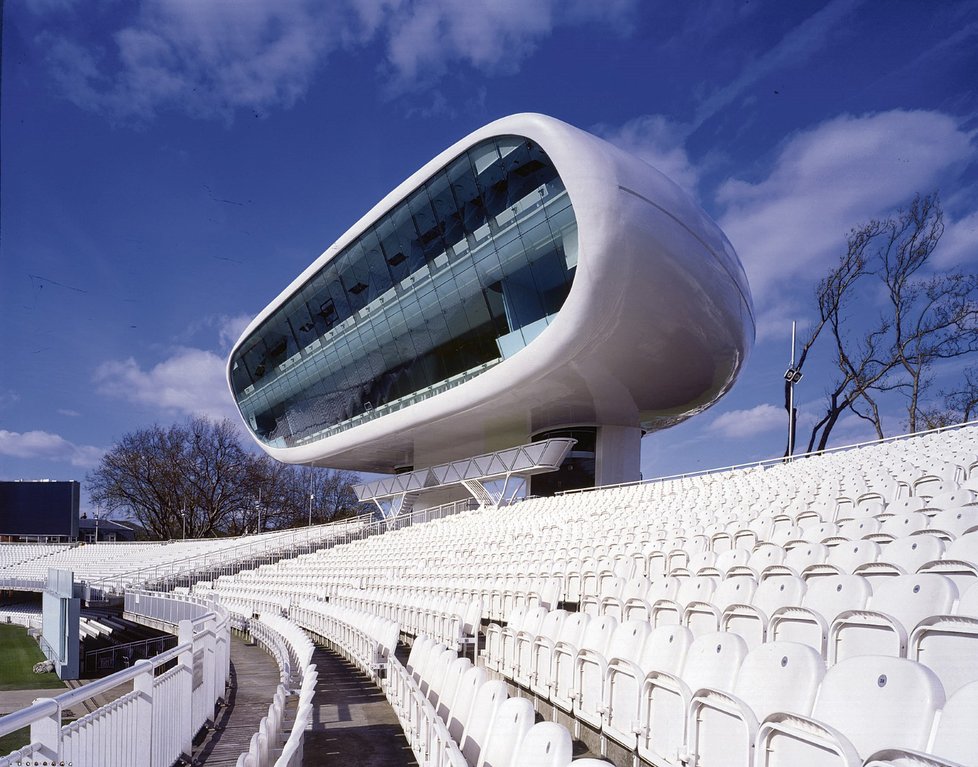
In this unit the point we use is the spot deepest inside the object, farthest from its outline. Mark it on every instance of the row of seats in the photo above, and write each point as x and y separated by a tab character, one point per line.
365	639
674	699
452	715
821	554
297	645
276	741
266	746
25	566
453	621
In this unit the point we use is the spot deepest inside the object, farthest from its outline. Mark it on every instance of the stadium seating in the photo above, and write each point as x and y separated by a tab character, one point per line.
824	608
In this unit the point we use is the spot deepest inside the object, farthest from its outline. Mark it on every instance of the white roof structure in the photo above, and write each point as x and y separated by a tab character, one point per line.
529	279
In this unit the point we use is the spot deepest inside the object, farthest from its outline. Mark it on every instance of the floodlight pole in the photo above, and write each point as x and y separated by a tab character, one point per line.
792	377
183	513
311	496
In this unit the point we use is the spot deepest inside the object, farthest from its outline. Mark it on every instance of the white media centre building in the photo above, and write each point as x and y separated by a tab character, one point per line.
530	284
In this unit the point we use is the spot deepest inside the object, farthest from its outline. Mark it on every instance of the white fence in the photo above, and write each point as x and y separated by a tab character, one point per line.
155	723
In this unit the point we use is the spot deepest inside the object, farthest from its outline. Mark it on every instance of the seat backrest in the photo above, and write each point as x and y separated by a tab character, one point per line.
819	531
515	618
449	686
461	708
512	721
849	555
955	737
968	602
573	627
732	558
880	702
713	660
636	587
911	551
627	640
964	547
780	591
546	744
699	588
552	624
904	524
765	554
533	619
804	554
913	597
598	633
854	529
487	701
418	651
831	595
434	672
662	588
665	649
955	521
733	590
780	676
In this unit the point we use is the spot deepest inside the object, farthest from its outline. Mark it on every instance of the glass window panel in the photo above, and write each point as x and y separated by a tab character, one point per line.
441	325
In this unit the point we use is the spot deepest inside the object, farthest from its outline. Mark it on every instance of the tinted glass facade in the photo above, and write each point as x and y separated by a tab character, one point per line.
462	274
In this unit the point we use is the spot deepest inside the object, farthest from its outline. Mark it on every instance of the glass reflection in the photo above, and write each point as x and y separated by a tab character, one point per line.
435	292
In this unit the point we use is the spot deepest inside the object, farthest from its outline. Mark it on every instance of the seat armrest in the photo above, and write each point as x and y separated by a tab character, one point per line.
905	757
803	728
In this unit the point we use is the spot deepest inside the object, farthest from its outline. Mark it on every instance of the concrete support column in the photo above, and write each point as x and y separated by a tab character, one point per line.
618	455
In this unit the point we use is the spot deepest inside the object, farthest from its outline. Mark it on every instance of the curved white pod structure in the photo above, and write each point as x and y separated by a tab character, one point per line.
530	279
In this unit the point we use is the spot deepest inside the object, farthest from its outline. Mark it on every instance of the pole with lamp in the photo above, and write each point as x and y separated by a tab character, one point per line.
791	377
311	496
183	513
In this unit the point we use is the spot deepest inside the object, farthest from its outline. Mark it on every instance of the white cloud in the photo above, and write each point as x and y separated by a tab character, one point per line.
53	447
68	412
660	142
191	382
747	423
205	58
210	58
829	179
231	328
796	47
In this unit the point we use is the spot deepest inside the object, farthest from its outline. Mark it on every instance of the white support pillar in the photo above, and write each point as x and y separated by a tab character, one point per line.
184	716
46	732
618	455
210	666
142	685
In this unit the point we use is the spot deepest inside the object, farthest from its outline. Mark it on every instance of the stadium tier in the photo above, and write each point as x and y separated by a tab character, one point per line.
769	613
819	611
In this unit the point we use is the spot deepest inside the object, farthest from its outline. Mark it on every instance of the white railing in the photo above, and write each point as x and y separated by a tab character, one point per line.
153	725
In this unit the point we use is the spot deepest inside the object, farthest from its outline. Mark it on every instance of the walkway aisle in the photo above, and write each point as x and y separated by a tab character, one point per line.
254	677
352	724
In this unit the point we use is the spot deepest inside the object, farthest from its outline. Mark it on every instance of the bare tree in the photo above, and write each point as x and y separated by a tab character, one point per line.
196	477
928	317
960	403
856	361
934	317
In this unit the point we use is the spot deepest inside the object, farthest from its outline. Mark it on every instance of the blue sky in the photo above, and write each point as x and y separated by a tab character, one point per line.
168	166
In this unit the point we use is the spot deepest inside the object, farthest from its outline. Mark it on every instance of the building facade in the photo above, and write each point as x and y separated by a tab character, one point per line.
530	281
